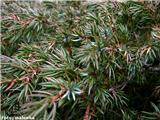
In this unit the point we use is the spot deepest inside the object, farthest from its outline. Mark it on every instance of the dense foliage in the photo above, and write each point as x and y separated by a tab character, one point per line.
74	61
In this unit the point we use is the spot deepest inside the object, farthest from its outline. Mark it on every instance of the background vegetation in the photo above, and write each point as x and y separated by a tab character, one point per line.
74	61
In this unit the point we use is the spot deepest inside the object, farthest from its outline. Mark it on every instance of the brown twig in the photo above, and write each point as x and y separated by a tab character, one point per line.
10	85
56	97
87	115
